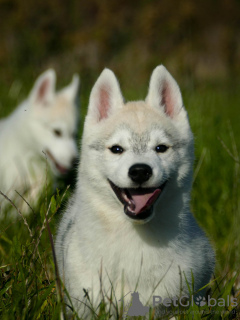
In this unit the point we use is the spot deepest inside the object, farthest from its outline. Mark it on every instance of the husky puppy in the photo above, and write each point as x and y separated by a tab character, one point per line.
43	126
129	225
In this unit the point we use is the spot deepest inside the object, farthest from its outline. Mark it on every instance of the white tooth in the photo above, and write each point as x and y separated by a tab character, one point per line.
131	210
125	197
132	204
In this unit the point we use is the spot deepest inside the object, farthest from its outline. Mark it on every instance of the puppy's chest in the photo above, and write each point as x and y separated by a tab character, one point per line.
129	253
142	265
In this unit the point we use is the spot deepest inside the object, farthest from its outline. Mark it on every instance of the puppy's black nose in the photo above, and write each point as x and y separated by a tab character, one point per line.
140	172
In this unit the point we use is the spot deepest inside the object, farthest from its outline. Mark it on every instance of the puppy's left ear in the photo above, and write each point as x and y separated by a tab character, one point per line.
164	92
105	97
71	91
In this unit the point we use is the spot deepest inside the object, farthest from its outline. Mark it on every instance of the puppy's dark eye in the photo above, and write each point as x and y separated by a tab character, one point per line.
116	149
161	148
57	132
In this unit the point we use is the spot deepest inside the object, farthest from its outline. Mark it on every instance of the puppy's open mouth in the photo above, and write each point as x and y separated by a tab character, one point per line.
61	169
138	203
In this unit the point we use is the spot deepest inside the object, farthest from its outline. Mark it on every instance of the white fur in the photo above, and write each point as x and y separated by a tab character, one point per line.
95	238
27	137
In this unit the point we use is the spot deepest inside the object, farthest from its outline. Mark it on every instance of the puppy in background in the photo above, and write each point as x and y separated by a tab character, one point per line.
43	126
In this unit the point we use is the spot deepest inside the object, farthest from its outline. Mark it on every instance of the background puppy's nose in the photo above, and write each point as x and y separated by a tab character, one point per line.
140	172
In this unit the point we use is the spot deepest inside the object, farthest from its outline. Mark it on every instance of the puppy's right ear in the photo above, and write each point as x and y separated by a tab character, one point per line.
43	90
105	97
164	92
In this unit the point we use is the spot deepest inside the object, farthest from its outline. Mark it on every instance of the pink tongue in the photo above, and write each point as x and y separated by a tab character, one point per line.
143	198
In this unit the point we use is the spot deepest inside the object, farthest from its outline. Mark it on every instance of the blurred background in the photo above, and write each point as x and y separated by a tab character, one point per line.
198	42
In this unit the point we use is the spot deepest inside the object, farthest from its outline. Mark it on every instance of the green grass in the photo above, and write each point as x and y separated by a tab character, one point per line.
215	198
28	288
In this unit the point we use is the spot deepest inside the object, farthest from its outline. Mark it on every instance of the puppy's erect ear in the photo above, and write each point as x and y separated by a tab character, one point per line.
44	88
70	92
105	97
164	92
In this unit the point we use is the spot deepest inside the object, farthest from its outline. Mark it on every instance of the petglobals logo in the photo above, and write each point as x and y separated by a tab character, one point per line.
132	305
186	301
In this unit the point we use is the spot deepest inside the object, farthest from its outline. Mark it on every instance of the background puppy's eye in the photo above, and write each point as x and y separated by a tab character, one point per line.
116	149
161	148
57	132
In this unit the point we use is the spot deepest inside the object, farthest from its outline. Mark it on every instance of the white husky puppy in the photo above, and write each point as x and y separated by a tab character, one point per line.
129	223
42	126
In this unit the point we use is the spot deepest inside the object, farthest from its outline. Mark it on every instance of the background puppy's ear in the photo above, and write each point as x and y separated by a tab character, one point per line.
105	97
43	90
164	92
71	91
